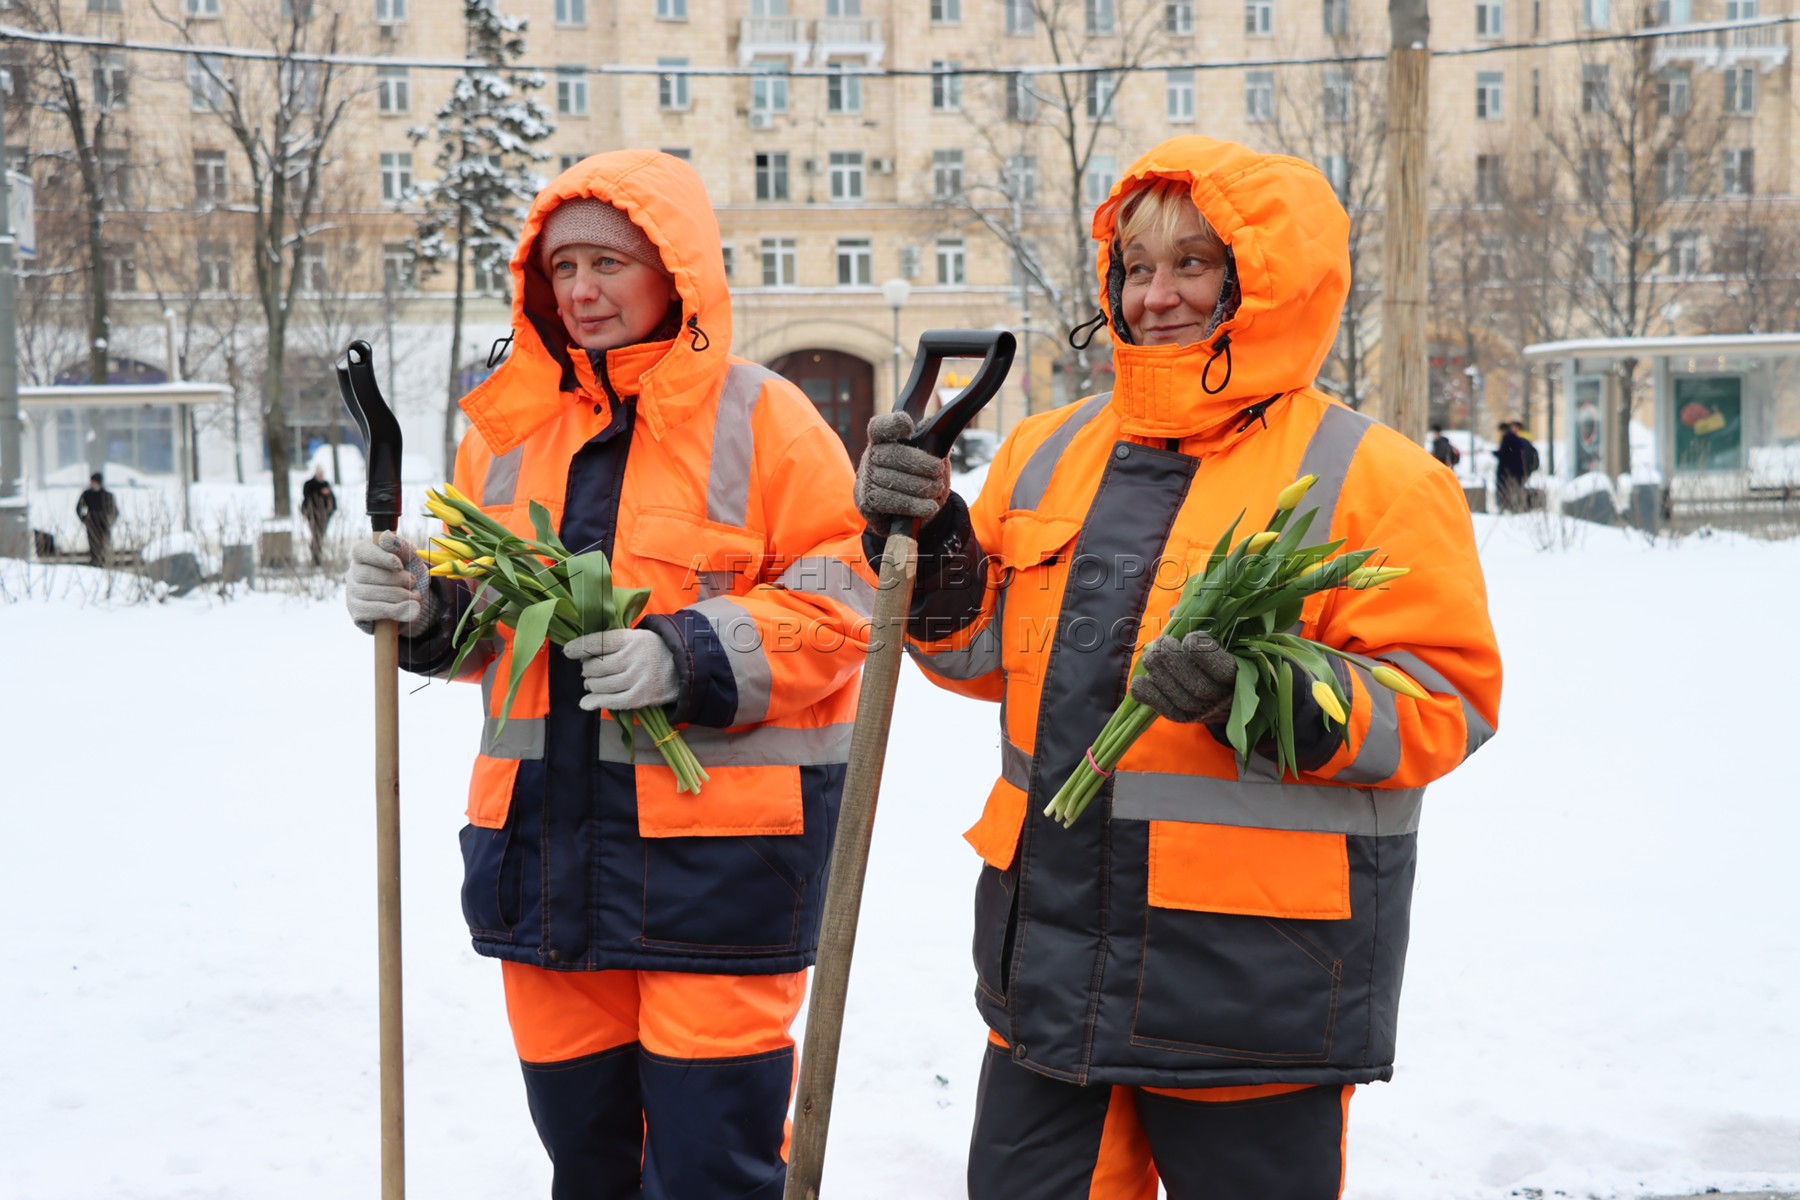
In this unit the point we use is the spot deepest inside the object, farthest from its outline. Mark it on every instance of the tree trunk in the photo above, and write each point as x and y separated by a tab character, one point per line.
454	393
1405	276
275	419
99	322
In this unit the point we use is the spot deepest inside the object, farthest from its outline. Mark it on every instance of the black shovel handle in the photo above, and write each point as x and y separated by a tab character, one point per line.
380	431
994	347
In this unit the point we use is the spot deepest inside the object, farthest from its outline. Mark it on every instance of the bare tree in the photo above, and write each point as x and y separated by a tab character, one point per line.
1756	257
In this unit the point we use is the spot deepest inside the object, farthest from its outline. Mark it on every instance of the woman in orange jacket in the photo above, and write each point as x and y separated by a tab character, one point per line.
653	944
1189	982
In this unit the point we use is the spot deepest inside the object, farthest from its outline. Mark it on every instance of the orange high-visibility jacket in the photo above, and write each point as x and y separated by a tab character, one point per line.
716	484
1205	924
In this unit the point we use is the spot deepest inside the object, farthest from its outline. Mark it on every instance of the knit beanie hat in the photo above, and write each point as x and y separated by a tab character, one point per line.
589	222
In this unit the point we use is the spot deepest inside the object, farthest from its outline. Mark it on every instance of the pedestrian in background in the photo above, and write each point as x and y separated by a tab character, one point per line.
317	503
1509	468
97	511
1442	450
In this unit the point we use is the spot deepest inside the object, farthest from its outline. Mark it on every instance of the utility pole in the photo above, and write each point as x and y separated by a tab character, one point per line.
15	522
1406	381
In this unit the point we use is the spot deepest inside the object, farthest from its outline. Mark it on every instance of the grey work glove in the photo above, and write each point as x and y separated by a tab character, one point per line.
897	480
388	582
623	669
1189	680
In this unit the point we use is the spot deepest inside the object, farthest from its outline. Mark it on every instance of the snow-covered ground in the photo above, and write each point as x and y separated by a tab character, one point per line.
1600	999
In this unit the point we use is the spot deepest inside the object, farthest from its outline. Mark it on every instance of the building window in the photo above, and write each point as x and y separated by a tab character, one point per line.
946	89
1671	172
1101	87
1178	17
1675	91
109	79
730	254
1488	88
952	263
671	10
397	267
104	6
1021	100
672	90
209	176
843	93
1337	172
1597	256
1021	21
115	177
490	278
1259	18
1740	91
1491	265
1740	10
682	152
909	261
1684	253
201	9
1097	180
772	176
1101	20
1673	12
1738	251
780	262
393	90
121	268
1259	96
571	12
1022	178
1490	183
300	82
946	12
855	263
1334	94
1336	14
389	12
1740	172
396	175
1595	177
1178	92
946	174
571	91
846	175
296	10
1593	88
1593	14
565	161
206	82
311	268
768	90
1487	18
212	274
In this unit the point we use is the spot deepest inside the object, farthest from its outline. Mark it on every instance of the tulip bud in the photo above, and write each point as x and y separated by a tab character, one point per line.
1327	700
1393	680
436	557
1261	541
453	494
1291	494
1368	577
459	549
444	569
444	513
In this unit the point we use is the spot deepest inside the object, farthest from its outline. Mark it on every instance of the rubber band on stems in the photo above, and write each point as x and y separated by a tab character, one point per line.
1098	769
672	735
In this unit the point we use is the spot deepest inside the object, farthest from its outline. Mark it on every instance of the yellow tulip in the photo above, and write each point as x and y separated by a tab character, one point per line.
1393	680
1261	541
1327	700
436	557
456	495
1291	494
444	569
1368	577
460	549
444	513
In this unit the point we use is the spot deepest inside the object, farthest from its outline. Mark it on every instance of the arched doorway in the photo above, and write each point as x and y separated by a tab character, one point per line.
841	385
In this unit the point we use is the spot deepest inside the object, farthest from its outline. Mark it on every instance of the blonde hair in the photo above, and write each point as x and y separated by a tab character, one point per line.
1156	211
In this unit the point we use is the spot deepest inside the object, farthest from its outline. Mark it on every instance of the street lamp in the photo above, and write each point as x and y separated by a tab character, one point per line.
897	291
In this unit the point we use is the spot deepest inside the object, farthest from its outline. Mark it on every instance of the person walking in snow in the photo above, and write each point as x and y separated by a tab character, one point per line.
1187	984
317	503
653	945
1442	449
1509	467
97	511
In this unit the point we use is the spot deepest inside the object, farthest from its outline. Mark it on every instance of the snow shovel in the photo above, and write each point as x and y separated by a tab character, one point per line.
868	743
381	440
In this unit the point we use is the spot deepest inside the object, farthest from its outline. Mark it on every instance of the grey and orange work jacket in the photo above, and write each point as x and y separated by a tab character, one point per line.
716	484
1206	923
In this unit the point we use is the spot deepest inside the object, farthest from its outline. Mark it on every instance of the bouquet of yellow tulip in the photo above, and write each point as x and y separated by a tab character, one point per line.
540	591
1247	596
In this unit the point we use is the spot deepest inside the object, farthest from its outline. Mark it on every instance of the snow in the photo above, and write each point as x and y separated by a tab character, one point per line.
1599	997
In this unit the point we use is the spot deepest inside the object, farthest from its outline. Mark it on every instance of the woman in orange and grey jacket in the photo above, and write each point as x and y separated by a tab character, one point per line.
1190	980
653	944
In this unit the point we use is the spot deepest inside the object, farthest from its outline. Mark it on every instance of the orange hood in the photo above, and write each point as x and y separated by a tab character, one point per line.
664	196
1291	240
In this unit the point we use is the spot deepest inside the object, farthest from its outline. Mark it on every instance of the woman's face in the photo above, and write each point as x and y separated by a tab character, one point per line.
1171	288
607	299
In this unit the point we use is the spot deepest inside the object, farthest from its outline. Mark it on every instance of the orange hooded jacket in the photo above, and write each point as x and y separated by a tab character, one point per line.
716	484
1206	924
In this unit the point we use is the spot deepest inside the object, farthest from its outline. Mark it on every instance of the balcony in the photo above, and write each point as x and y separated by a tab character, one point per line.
848	37
772	37
1764	47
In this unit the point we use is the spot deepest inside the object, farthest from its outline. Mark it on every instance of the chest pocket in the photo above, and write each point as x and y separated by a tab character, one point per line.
1034	551
707	558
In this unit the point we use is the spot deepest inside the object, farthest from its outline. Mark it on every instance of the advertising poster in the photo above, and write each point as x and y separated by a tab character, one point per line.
1709	424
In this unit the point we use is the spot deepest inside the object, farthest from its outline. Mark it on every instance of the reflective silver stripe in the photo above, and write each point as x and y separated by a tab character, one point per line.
1312	808
523	737
502	478
1427	677
733	445
832	578
760	746
1015	765
978	658
1379	755
742	639
1034	480
1328	454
